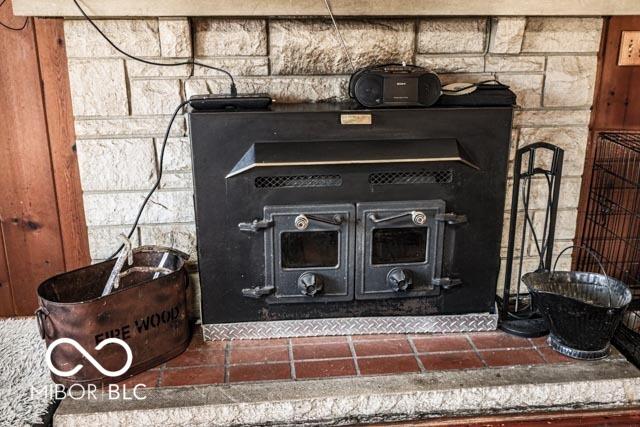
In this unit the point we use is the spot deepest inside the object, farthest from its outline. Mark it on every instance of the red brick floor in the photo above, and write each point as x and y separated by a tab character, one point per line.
220	362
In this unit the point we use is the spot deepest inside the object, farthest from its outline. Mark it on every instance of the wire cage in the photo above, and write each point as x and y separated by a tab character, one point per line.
612	225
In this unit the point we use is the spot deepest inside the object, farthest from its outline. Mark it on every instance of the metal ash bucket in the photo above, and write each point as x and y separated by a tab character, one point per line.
583	309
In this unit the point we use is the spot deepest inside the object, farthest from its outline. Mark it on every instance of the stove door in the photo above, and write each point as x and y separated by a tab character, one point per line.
401	243
308	251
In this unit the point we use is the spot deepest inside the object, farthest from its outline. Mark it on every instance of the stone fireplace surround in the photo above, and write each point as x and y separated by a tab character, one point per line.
122	107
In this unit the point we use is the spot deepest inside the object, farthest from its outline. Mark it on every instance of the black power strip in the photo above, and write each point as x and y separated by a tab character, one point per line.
258	101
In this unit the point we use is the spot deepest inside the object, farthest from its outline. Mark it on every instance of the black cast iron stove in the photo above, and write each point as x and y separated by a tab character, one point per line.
329	219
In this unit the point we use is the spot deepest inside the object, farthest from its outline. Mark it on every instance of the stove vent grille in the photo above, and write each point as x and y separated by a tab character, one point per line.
298	181
412	177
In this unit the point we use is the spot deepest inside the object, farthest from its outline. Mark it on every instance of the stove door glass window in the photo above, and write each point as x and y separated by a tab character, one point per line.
399	245
309	249
309	253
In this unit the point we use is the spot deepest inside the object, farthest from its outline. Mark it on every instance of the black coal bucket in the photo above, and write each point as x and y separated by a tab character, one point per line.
583	309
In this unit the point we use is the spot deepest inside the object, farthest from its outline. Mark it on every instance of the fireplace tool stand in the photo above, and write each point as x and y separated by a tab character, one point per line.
517	315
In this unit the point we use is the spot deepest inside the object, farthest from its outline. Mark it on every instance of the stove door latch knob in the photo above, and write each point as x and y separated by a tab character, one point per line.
310	284
399	279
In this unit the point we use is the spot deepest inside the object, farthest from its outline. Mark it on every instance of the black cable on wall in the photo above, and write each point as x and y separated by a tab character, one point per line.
9	27
232	90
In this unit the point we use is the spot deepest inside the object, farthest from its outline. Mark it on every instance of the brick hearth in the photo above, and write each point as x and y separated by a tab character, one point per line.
218	362
360	379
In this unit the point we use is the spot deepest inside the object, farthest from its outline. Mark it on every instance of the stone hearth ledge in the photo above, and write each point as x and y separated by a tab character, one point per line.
583	385
128	8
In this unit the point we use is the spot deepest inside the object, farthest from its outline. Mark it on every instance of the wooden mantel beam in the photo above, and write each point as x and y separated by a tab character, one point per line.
133	8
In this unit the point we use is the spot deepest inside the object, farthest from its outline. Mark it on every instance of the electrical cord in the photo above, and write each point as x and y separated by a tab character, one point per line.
233	90
487	37
335	26
485	52
9	27
157	183
469	86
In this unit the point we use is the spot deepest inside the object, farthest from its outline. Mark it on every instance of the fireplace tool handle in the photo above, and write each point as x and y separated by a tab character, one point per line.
525	320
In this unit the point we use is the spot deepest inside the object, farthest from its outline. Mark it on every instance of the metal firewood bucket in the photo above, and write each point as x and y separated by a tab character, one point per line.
583	309
148	311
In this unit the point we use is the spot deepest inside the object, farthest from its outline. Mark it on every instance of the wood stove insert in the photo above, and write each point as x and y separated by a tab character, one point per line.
309	226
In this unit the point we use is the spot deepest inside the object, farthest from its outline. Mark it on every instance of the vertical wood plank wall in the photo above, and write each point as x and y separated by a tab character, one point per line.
57	103
616	102
42	227
617	99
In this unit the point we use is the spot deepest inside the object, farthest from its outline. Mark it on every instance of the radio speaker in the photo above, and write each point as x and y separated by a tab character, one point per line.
369	90
429	89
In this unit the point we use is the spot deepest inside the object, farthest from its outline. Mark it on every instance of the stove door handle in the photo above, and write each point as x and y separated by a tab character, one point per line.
417	217
447	282
452	222
452	218
255	225
257	292
302	221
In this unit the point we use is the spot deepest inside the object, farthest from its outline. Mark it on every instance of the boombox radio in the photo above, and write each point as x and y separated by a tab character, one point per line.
395	85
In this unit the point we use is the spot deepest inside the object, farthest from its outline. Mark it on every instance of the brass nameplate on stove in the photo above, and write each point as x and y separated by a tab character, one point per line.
355	119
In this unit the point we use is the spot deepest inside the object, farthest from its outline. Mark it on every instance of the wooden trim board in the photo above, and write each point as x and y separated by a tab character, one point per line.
42	227
57	102
128	8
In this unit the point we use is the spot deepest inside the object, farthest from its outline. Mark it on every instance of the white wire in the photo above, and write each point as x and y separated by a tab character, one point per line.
335	26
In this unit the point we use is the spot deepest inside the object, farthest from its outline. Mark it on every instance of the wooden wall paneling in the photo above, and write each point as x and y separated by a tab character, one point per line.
594	418
57	101
617	100
632	112
6	297
28	206
616	108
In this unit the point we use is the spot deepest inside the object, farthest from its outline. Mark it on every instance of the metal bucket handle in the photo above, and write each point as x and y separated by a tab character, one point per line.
127	254
41	314
589	251
156	270
156	248
594	256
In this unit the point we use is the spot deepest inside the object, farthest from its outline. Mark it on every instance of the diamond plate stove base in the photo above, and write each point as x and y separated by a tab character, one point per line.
474	322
